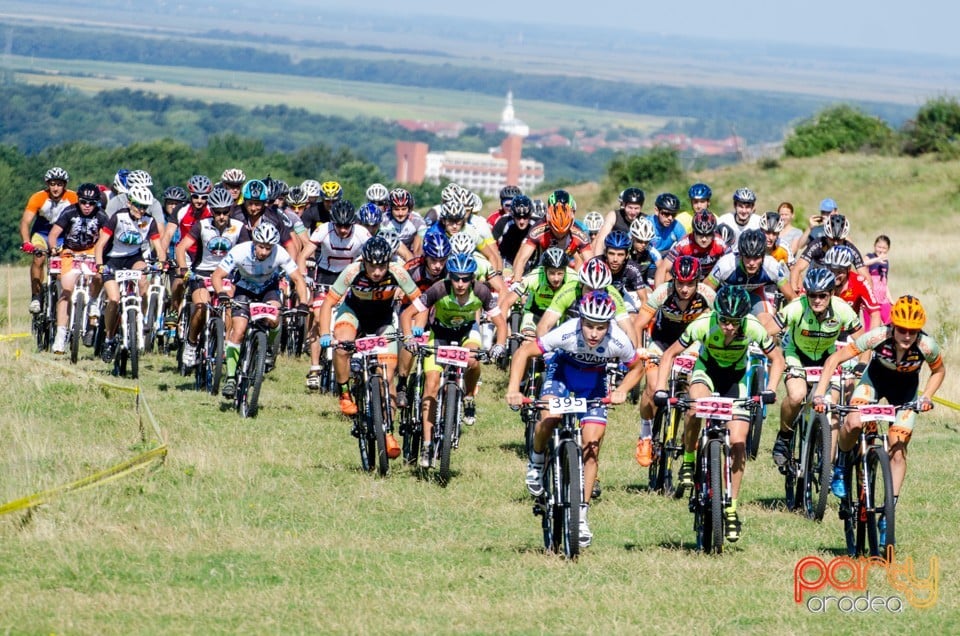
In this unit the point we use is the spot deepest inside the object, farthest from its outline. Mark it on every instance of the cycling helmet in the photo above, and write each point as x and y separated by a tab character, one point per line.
297	196
632	195
277	189
377	193
727	234
56	174
522	207
752	243
559	217
554	258
668	202
618	240
686	269
732	301
343	213
311	187
140	195
392	237
819	279
509	192
908	313
401	198
233	176
220	198
771	222
254	190
539	209
461	264
704	223
370	214
744	195
173	193
139	177
120	180
559	196
452	211
376	251
699	191
839	257
593	221
199	184
473	202
462	243
597	306
836	227
436	245
88	193
266	233
450	192
331	190
642	229
595	273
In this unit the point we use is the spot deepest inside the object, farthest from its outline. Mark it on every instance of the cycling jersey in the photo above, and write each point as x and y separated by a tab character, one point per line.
407	230
270	216
815	250
565	302
334	253
313	216
187	216
446	310
495	218
729	271
127	235
730	220
368	298
576	241
510	238
255	275
214	244
47	210
665	236
669	319
294	222
483	231
538	291
858	294
812	337
708	256
621	223
629	279
714	352
780	253
80	232
120	203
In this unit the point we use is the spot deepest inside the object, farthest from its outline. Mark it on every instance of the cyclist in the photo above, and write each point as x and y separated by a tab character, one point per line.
836	228
645	256
205	244
317	211
702	243
816	224
583	347
453	221
724	335
259	265
368	288
120	246
119	202
742	218
486	244
753	270
667	228
507	194
333	246
556	230
772	225
253	211
452	306
899	351
851	286
512	230
232	179
405	221
593	221
667	311
627	277
812	324
538	288
42	211
370	217
699	195
79	226
630	202
174	198
200	188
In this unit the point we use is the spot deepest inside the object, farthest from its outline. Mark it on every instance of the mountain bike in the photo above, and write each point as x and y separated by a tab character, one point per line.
868	511
411	416
559	505
80	302
667	438
293	325
757	374
513	322
208	371
44	323
129	341
153	326
530	387
253	357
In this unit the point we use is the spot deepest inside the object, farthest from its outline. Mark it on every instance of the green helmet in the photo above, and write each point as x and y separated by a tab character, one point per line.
732	301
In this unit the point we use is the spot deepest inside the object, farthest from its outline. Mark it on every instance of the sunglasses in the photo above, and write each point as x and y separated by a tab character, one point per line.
726	320
819	295
88	202
139	206
199	197
298	208
906	332
233	186
342	226
461	279
222	212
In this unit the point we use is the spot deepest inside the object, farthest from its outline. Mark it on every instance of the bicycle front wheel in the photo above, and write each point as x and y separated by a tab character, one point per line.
213	358
133	344
880	517
250	396
77	328
150	324
449	412
711	528
818	469
570	497
377	431
758	382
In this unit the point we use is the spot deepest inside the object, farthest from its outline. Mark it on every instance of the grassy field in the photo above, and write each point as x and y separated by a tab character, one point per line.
268	525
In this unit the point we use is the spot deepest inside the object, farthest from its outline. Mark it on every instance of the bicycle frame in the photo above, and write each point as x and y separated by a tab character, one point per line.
250	370
80	298
755	378
128	281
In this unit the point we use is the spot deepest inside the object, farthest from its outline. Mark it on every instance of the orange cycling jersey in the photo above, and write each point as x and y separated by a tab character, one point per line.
46	210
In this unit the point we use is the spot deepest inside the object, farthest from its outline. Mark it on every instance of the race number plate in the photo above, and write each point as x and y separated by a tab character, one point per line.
878	413
683	365
263	311
226	284
561	405
814	373
372	345
716	408
87	265
124	275
55	265
457	356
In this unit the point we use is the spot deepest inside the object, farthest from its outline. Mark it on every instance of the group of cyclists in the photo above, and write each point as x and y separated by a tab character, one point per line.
625	288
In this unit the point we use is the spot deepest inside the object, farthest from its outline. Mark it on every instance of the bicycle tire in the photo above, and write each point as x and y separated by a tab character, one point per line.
214	355
255	381
656	474
410	426
299	329
150	324
376	431
818	469
570	497
133	345
77	327
53	294
757	384
880	480
712	522
451	404
548	507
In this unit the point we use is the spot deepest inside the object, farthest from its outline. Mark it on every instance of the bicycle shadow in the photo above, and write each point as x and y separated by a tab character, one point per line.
517	448
775	504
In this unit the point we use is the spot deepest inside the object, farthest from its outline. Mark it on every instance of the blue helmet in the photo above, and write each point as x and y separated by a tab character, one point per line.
618	240
370	214
700	191
255	190
436	245
461	265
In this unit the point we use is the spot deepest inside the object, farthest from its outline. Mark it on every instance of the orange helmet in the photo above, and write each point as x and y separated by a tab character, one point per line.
560	218
908	313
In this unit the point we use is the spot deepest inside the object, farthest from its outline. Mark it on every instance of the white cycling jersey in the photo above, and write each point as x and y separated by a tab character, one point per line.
407	231
334	253
572	349
253	274
215	244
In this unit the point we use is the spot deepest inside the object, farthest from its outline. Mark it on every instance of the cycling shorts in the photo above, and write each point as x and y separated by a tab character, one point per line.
467	336
122	262
243	297
871	390
724	381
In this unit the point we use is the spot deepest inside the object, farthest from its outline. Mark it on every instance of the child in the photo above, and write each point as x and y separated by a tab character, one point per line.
876	261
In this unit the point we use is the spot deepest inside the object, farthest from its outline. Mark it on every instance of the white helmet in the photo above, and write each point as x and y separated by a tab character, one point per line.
597	306
642	229
450	192
311	187
233	175
139	177
593	221
266	233
140	194
472	202
595	273
378	192
462	243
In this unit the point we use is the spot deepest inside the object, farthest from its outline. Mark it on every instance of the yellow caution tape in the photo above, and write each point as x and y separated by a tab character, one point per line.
114	472
947	403
13	336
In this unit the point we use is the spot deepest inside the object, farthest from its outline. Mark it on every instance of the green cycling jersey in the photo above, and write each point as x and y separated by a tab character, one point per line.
713	346
814	337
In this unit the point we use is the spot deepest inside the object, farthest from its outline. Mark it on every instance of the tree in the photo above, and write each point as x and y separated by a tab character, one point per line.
658	165
842	128
936	128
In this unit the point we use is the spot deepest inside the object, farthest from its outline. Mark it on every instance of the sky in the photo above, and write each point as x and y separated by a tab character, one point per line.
920	26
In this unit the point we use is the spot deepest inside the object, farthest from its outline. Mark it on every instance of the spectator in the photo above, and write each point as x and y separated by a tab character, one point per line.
790	237
879	267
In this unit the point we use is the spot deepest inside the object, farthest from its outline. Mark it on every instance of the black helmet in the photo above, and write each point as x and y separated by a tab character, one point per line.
89	192
509	192
752	243
668	202
732	301
376	251
343	213
704	223
632	195
522	207
174	193
554	258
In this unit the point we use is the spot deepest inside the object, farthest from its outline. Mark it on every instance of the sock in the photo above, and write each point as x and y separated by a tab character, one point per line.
537	458
345	388
689	458
232	351
646	429
733	506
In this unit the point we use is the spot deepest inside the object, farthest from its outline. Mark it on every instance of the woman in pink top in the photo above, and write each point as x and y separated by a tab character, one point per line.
879	267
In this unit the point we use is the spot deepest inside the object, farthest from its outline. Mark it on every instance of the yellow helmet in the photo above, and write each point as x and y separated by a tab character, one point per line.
331	190
908	313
